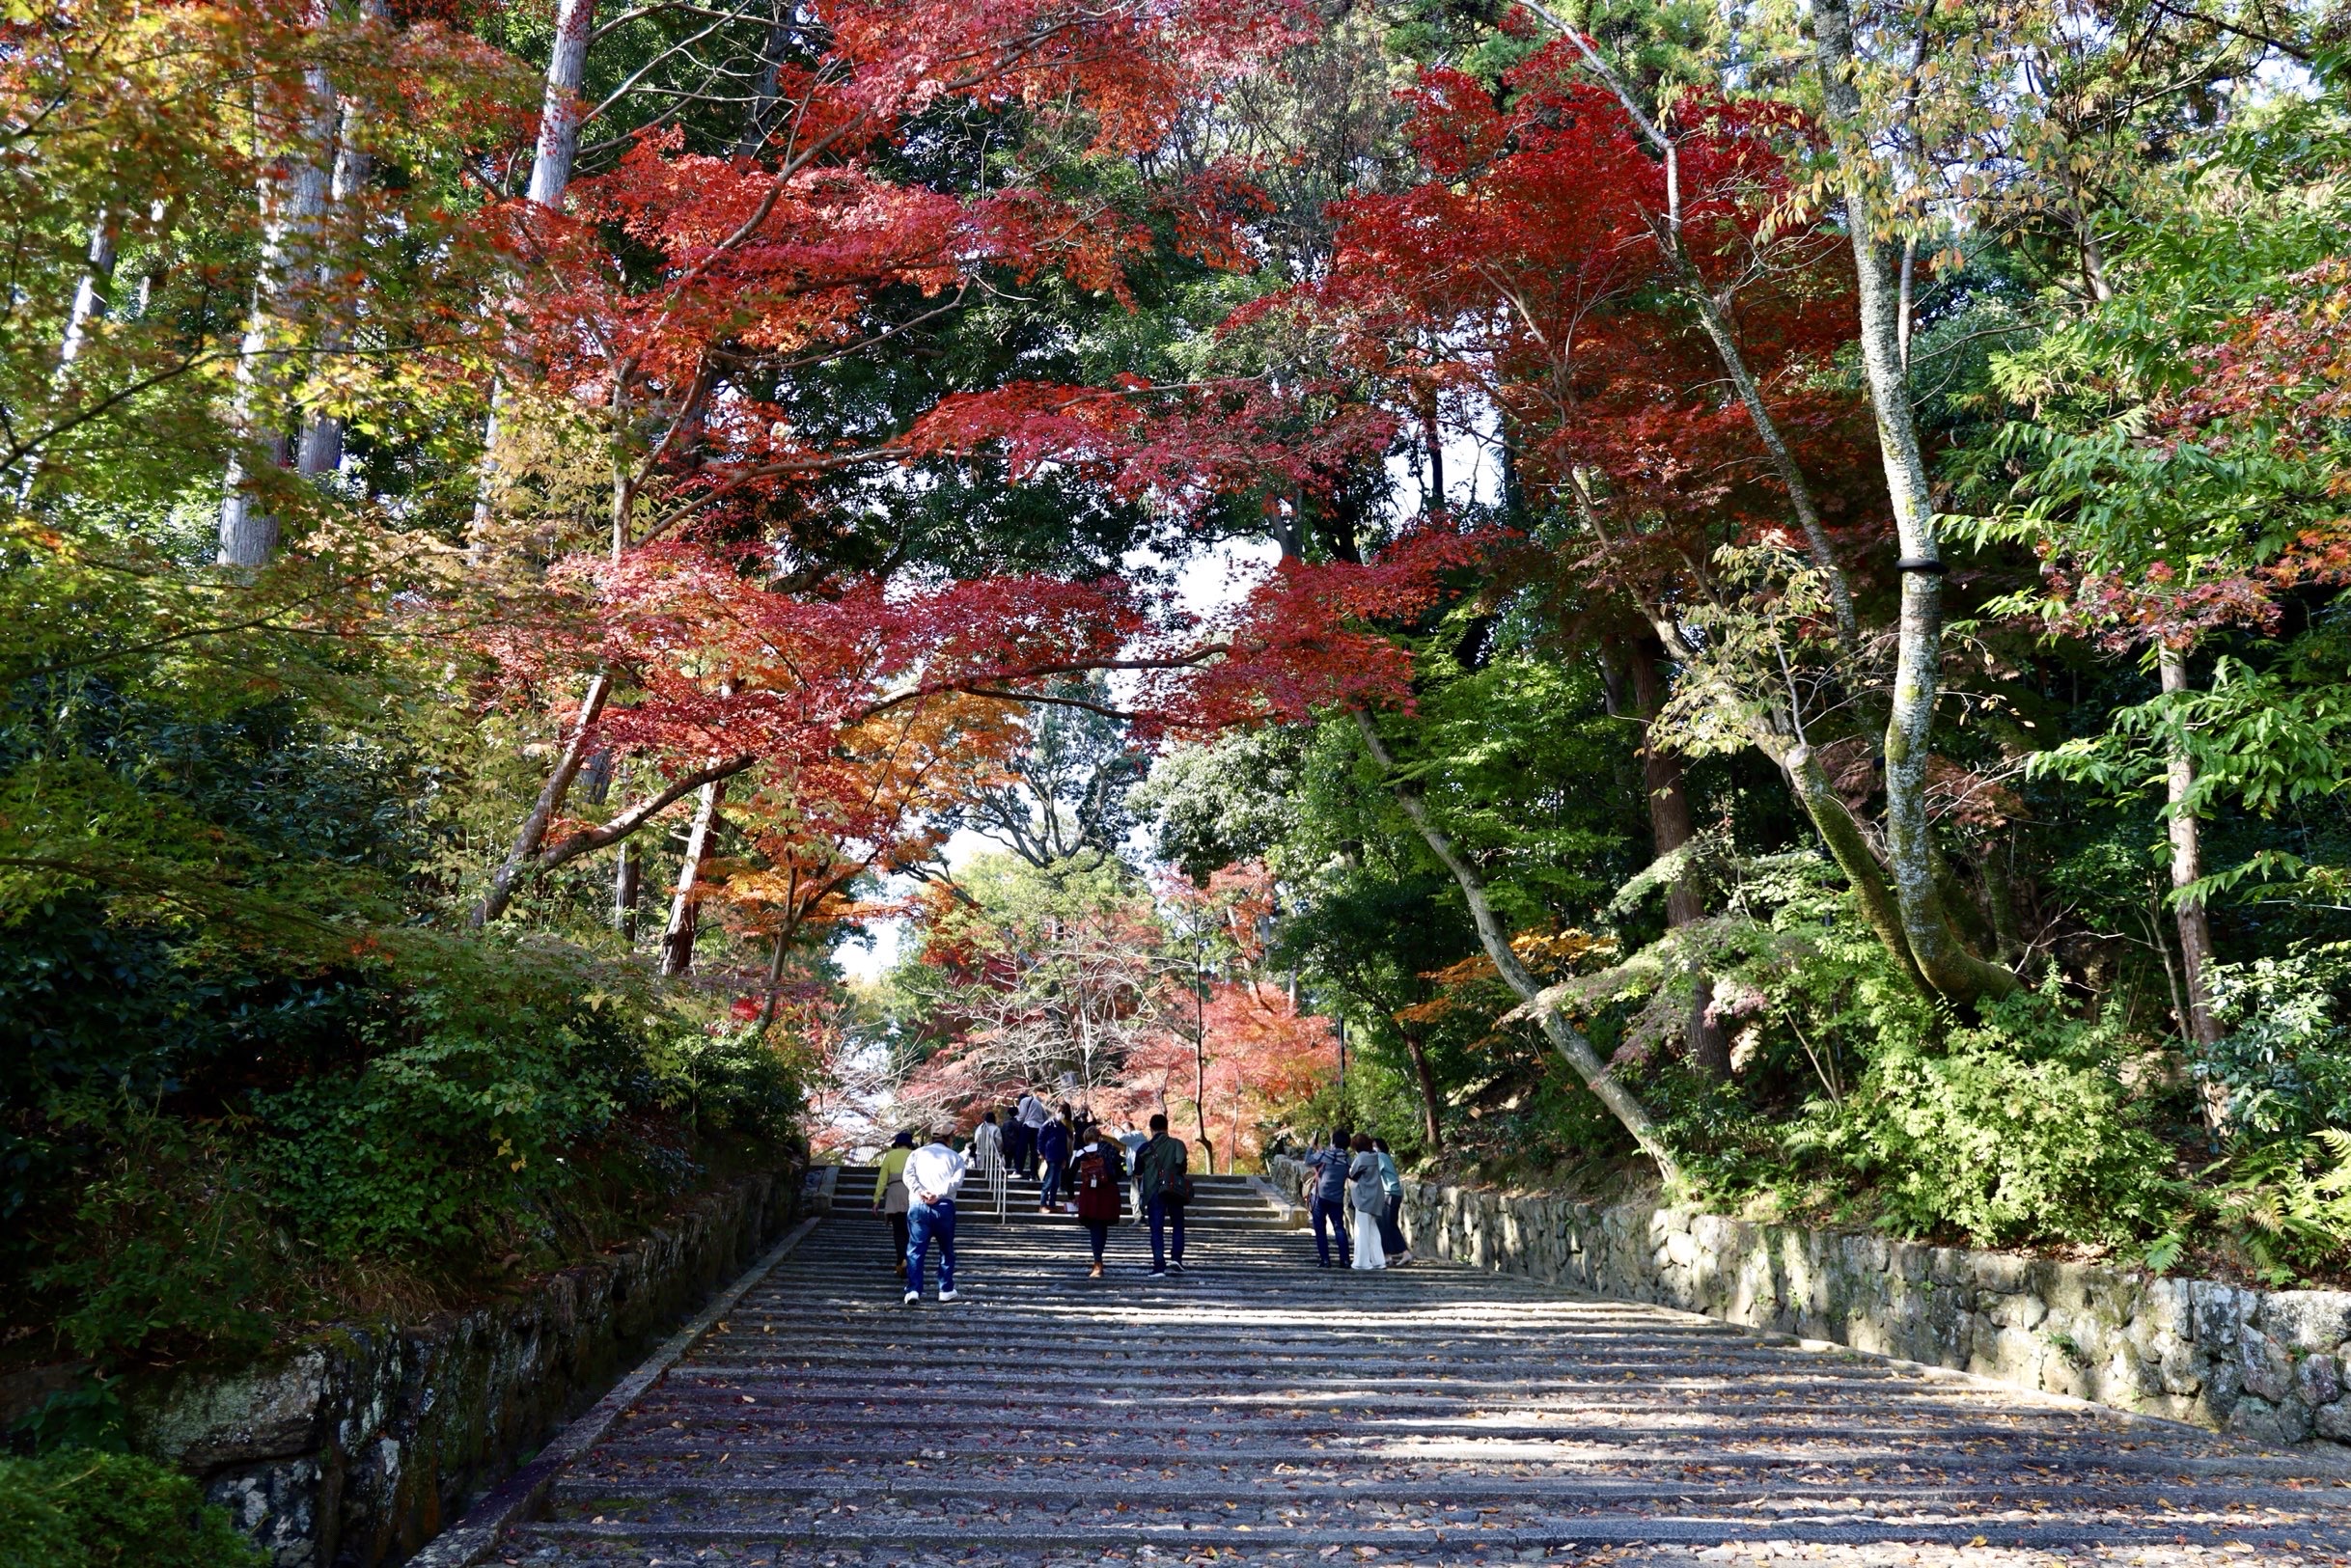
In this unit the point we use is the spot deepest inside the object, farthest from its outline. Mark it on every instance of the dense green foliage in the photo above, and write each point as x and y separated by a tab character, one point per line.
77	1508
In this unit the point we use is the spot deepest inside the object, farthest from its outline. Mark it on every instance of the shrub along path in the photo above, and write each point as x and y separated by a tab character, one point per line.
1259	1410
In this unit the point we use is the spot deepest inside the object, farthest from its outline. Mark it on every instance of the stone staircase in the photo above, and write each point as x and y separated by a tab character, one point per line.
1219	1202
1259	1410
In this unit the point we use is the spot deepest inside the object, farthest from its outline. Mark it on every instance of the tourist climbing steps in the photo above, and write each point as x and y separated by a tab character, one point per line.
1260	1409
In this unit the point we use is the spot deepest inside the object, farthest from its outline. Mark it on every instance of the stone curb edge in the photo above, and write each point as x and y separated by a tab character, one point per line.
2303	1454
1291	1214
471	1538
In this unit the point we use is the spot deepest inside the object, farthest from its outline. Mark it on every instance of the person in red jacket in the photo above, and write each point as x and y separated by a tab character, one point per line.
1097	1180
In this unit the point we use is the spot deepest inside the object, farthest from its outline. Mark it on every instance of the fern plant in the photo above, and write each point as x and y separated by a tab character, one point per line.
2288	1205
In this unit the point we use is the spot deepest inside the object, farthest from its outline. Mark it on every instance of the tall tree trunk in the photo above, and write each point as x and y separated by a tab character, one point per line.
551	160
1200	1080
92	302
1433	437
1670	826
321	445
292	196
509	877
1432	1130
627	881
756	118
1564	1036
775	979
93	294
2196	956
1935	944
678	940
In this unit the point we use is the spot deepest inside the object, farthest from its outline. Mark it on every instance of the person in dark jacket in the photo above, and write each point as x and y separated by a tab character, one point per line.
1326	1195
1053	1154
1098	1177
1391	1225
1162	1171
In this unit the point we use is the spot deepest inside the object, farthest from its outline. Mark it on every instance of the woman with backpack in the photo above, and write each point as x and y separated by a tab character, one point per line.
1368	1195
1098	1178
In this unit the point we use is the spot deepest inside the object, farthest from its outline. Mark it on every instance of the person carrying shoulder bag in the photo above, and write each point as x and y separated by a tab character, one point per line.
1163	1186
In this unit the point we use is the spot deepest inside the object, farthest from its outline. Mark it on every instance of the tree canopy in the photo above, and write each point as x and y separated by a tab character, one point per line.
1799	654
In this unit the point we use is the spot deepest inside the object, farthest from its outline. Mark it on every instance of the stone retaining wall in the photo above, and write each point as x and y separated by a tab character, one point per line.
361	1443
2269	1364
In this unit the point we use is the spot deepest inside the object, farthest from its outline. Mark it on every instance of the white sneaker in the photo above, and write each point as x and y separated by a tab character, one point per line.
947	1295
1157	1274
913	1296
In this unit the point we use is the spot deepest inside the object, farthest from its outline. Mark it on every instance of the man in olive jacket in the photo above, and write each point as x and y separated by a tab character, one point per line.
1160	1167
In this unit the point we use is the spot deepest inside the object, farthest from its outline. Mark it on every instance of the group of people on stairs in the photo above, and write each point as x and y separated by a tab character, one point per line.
1356	1174
916	1189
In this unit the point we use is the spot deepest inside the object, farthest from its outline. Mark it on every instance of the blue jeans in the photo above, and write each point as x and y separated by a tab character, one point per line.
924	1221
1333	1210
1049	1186
1165	1216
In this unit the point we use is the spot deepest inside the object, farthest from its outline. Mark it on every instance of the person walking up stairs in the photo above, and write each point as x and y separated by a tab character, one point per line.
1053	1144
1326	1196
1163	1186
1098	1176
934	1174
889	1194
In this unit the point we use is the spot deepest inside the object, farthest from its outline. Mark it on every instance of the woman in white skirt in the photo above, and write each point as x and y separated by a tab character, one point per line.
1368	1196
987	1155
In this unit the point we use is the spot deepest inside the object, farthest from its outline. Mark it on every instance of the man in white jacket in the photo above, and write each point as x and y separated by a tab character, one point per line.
934	1174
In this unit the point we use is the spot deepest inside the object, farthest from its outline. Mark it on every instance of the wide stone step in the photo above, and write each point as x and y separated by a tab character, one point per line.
1455	1540
1006	1509
1261	1410
1662	1468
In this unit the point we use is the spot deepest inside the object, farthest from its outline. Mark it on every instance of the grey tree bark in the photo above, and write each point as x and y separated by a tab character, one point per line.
756	118
517	866
1564	1036
627	878
1671	829
2196	951
1943	959
677	939
551	160
321	451
292	195
93	294
1425	1081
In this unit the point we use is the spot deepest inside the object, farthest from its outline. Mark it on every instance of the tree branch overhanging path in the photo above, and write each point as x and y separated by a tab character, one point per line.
1905	899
